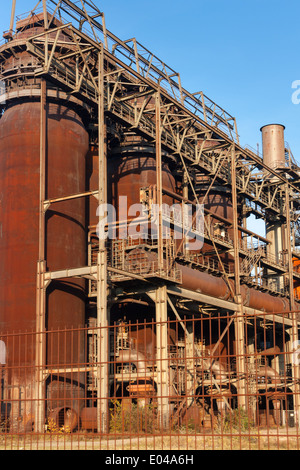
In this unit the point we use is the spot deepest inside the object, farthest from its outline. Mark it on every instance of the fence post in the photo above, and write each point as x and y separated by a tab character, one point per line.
162	356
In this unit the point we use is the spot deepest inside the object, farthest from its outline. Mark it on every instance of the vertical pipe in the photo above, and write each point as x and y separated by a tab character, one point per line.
239	320
289	247
102	310
189	358
185	194
162	356
104	31
159	178
43	156
45	15
41	269
274	157
294	343
12	18
235	226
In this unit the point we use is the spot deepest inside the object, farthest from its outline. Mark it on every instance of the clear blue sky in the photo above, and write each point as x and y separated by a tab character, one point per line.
243	54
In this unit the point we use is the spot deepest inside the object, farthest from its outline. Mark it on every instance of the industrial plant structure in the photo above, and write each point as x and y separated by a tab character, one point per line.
195	315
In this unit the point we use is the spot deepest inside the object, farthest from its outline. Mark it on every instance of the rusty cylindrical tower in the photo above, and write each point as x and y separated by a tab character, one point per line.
274	156
65	239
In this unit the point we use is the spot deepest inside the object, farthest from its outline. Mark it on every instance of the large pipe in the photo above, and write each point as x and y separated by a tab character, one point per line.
269	372
12	18
133	357
274	351
216	367
274	157
207	284
273	145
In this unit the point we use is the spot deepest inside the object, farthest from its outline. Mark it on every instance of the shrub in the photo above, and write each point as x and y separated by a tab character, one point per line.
135	419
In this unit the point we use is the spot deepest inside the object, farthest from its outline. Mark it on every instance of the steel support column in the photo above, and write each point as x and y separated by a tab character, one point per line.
239	316
12	18
102	293
41	269
162	356
294	341
159	180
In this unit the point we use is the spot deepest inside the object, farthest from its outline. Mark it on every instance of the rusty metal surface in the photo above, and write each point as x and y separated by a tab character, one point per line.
273	145
128	174
19	149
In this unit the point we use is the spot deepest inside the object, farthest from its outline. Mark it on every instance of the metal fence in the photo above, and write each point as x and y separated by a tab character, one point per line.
192	392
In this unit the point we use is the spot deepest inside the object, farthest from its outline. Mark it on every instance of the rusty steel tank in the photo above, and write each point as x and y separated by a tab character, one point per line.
131	167
273	145
67	145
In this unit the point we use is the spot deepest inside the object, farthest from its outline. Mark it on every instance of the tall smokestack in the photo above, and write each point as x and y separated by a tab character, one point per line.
273	145
274	157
